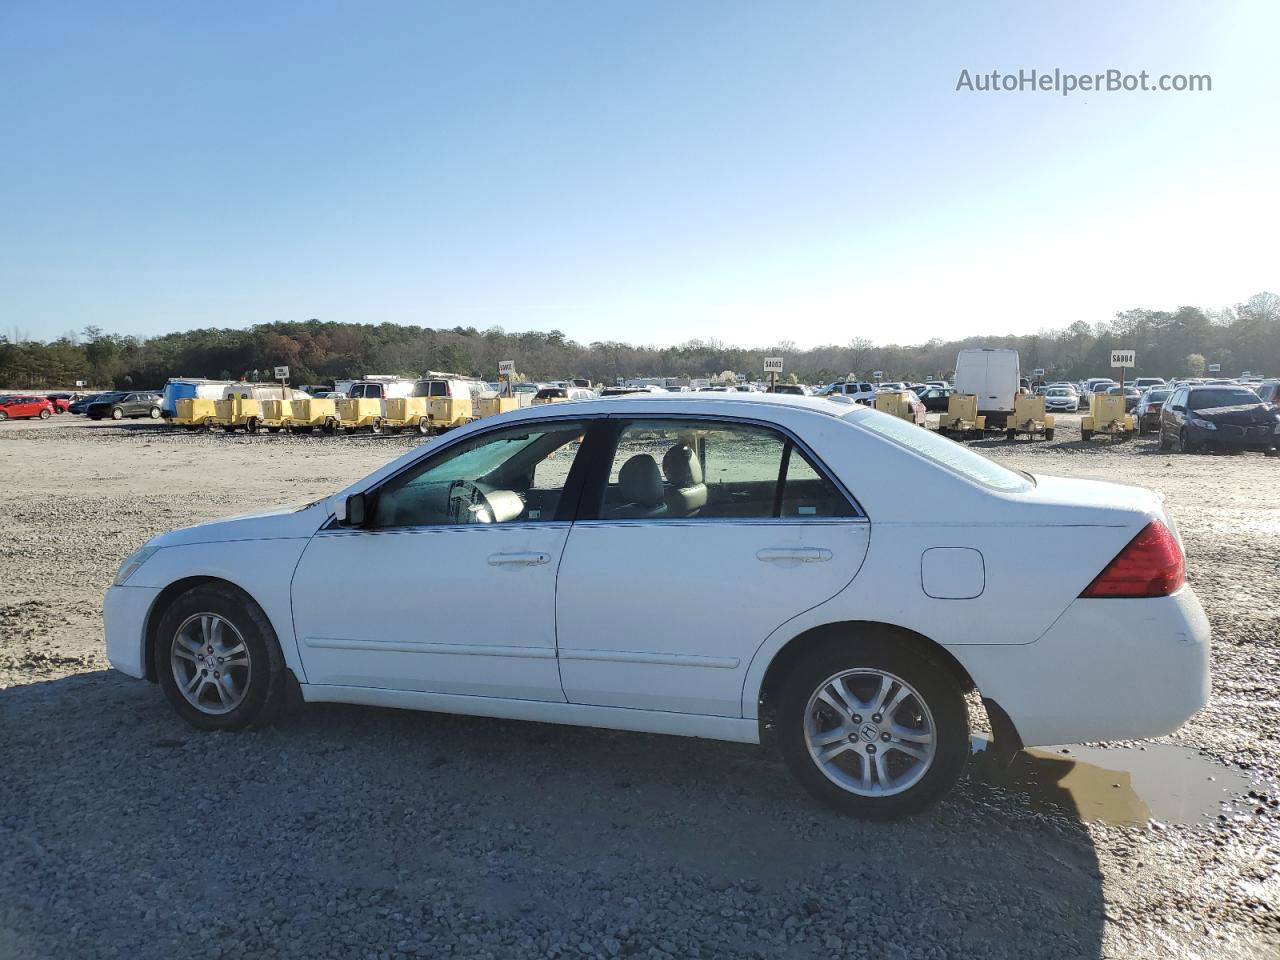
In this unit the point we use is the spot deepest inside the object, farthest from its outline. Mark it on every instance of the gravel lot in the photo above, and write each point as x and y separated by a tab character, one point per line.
352	832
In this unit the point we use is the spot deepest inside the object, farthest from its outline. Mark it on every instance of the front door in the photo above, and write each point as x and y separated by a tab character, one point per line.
449	587
708	535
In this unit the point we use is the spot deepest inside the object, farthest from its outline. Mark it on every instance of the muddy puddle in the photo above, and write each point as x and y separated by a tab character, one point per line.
1124	786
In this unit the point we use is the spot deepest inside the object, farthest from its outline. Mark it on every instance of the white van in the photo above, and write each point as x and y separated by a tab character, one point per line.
993	376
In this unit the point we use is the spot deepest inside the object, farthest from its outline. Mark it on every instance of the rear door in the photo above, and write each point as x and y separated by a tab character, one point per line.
698	538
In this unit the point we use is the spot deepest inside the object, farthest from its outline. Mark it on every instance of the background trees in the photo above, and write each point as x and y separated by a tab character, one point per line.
1180	342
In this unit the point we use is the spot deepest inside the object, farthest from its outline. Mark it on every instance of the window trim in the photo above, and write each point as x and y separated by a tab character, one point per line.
591	501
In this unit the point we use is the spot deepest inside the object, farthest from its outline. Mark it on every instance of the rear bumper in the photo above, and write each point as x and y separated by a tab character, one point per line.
124	620
1106	670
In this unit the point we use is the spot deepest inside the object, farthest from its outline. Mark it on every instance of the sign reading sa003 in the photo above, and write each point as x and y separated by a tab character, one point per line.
773	364
1123	358
282	373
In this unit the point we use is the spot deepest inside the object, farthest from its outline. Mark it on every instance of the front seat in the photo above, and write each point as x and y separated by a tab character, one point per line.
640	490
684	473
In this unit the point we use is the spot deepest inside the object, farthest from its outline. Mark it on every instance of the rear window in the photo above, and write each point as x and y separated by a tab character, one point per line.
945	453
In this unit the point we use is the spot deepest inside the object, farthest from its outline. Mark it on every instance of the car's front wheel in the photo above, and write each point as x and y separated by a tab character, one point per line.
154	413
44	414
117	413
218	660
875	727
1184	442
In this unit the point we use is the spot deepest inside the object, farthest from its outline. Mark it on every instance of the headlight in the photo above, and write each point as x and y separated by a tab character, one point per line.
1202	424
132	563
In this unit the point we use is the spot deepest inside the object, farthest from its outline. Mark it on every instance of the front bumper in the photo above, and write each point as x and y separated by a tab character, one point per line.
1231	437
124	621
1106	670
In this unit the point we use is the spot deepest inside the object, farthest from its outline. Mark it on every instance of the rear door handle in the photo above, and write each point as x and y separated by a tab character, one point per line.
794	554
519	559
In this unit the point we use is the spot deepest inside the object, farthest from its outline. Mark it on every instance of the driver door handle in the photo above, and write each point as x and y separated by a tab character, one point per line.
519	559
801	554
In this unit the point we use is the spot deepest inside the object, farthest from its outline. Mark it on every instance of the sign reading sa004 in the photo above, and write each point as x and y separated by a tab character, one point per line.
1123	358
773	364
282	373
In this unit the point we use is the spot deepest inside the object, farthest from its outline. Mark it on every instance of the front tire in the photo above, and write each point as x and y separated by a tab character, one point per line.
44	414
117	413
154	413
873	727
1184	442
218	660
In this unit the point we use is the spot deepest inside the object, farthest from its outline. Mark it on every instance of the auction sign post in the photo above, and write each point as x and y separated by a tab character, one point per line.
282	374
507	372
773	367
1124	360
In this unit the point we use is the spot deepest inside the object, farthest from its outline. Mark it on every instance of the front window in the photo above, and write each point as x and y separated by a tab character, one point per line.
945	453
508	476
1208	399
682	469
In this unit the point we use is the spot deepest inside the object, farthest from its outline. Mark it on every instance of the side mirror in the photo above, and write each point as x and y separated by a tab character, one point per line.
354	511
1178	408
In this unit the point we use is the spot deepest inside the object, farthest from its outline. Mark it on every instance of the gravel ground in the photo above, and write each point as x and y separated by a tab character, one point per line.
352	832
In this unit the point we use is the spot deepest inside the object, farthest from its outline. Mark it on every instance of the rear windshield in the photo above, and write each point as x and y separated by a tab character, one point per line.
1208	399
946	453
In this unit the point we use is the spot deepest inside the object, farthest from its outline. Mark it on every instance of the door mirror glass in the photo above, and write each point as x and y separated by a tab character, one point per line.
355	510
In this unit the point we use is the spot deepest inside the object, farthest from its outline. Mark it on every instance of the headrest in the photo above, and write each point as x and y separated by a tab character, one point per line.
639	480
682	467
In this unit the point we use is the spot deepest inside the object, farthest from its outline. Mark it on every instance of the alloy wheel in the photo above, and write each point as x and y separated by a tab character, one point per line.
210	663
870	732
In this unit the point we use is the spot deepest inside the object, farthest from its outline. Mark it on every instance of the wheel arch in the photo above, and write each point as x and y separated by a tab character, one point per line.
843	631
165	599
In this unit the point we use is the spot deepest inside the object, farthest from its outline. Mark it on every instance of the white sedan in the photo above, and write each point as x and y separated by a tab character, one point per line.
713	565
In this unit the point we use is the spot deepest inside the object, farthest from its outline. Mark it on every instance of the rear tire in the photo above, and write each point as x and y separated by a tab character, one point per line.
3	415
1086	434
211	627
424	426
868	771
117	413
1048	433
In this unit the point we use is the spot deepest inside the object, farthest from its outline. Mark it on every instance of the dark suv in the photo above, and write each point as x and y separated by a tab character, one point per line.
117	406
1223	418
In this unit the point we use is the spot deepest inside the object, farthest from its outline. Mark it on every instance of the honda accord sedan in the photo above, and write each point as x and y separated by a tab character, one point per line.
713	565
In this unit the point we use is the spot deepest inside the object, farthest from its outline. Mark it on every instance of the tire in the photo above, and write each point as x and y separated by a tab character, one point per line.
1011	435
257	689
935	701
1165	443
376	426
251	425
117	413
1086	434
44	414
1184	442
1142	427
424	426
154	413
3	415
1048	433
329	427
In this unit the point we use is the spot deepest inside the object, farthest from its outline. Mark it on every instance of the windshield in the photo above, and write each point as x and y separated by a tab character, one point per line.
1208	399
1061	392
945	453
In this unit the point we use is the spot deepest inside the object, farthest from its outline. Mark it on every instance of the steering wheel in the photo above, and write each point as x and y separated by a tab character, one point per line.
468	504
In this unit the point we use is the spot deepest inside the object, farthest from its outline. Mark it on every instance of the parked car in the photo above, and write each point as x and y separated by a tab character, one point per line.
24	407
805	632
857	391
121	405
795	389
1147	412
1220	418
1145	383
61	401
1061	400
1268	391
935	398
79	406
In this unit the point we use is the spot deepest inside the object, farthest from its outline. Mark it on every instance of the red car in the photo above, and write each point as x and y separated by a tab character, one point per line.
17	407
60	401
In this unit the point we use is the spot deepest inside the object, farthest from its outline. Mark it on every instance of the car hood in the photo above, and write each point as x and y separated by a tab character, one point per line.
283	523
1245	414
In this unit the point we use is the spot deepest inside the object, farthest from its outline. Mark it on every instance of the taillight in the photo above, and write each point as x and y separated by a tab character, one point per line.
1150	566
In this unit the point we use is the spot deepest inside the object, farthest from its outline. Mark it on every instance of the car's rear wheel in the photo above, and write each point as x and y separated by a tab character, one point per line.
218	660
117	413
3	415
875	728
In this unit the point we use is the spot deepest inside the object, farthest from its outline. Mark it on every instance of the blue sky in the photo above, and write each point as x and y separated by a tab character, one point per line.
649	172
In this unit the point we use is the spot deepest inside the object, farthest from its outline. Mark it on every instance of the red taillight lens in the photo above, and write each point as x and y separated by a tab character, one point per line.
1150	566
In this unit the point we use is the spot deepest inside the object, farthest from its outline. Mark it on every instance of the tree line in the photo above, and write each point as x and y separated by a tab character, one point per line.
1168	343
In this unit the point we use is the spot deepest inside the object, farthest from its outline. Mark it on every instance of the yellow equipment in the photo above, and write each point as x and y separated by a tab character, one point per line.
314	412
1029	418
359	413
495	406
962	416
1107	415
445	413
195	412
406	413
902	404
238	412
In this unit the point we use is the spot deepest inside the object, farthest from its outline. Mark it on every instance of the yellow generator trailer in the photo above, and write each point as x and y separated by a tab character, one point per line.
313	413
1029	417
195	413
962	418
450	402
495	406
1107	416
238	411
903	404
360	413
406	413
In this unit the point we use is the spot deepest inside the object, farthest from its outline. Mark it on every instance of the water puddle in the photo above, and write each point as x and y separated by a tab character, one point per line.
1124	786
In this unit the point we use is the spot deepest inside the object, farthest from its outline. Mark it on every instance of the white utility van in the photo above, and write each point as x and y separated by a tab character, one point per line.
993	376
